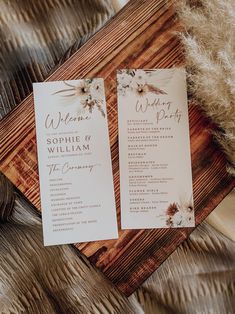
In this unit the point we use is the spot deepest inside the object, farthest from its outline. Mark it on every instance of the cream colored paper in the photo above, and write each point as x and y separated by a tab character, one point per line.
76	183
154	149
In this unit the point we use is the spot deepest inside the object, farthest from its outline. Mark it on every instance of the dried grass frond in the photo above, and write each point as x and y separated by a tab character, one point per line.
210	57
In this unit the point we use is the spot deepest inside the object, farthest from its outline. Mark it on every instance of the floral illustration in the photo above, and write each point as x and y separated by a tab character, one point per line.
140	82
180	214
89	92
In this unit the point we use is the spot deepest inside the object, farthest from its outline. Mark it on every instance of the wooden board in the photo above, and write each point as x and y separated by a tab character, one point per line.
142	35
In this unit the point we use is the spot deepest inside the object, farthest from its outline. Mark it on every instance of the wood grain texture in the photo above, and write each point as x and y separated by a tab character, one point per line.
142	35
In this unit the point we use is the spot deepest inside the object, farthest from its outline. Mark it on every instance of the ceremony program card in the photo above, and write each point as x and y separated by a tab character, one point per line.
76	182
154	149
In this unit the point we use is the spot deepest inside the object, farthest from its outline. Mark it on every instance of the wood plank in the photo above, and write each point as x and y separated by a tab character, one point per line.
142	35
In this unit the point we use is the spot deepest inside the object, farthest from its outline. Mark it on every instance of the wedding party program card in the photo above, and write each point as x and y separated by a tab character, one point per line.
154	149
76	183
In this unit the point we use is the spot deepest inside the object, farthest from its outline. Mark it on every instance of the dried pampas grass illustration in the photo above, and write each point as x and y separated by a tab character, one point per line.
156	90
172	209
91	104
88	91
141	81
80	90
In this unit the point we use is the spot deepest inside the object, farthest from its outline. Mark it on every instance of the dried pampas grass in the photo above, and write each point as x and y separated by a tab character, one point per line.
209	40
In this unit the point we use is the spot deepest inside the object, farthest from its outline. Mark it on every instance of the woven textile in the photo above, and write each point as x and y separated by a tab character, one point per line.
199	277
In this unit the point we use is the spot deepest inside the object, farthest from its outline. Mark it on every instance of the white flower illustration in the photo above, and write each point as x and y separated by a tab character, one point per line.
180	214
125	79
140	78
182	219
137	81
88	92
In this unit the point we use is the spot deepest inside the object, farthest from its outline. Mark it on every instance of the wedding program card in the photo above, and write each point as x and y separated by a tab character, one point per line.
154	149
76	183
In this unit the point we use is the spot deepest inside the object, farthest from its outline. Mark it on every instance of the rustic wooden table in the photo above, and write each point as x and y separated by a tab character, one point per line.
142	35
